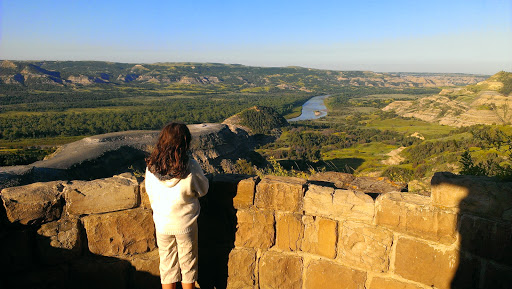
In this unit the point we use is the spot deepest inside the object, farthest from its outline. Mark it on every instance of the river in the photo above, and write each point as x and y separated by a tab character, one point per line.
315	104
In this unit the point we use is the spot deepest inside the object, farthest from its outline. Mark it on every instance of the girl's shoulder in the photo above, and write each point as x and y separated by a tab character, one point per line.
193	164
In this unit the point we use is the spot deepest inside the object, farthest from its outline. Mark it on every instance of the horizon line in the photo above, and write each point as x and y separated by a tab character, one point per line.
246	65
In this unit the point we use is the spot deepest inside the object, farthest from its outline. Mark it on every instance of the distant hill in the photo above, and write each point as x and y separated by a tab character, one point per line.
486	102
15	75
258	120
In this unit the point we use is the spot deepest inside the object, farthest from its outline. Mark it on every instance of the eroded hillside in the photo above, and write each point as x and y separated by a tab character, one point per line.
487	102
75	74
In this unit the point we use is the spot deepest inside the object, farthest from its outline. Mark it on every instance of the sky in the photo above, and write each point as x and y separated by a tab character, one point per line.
459	36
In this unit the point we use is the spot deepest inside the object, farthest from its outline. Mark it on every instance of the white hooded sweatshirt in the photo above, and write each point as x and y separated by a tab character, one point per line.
175	202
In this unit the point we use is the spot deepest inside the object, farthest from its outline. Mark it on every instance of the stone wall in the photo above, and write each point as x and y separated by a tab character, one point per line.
275	232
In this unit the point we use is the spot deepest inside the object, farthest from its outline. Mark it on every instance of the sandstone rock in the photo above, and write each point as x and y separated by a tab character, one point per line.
338	204
320	236
487	239
42	277
289	232
99	272
101	196
280	193
145	272
146	262
387	283
277	270
469	272
358	184
429	265
59	241
340	180
217	220
255	229
241	266
245	193
379	185
16	251
497	277
144	198
364	246
80	79
34	203
325	274
480	195
120	233
414	215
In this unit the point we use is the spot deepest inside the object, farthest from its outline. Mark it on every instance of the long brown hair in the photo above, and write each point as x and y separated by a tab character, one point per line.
169	157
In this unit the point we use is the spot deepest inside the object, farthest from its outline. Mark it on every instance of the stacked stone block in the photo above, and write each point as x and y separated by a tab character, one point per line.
459	237
86	233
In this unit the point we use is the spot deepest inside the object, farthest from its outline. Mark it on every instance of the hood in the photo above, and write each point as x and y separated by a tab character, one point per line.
171	183
168	180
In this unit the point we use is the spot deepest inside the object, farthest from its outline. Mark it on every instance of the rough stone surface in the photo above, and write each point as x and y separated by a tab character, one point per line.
145	271
379	185
387	283
320	236
338	204
245	193
120	233
339	180
277	270
34	203
101	196
469	272
325	274
280	193
487	239
16	251
59	241
414	215
346	181
426	264
255	229
480	195
100	272
147	262
364	246
289	232
241	266
144	198
497	277
42	277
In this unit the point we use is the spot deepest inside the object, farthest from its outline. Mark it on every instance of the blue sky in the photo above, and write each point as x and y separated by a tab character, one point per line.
471	36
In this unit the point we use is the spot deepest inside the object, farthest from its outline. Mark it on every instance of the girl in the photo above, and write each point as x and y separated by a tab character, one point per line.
174	182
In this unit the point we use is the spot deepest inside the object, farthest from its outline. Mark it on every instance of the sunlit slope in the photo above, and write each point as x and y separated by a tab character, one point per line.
488	102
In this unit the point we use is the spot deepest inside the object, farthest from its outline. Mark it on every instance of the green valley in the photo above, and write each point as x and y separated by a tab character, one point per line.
399	125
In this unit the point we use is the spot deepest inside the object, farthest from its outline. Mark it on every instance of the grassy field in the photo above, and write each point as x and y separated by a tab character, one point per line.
410	126
368	157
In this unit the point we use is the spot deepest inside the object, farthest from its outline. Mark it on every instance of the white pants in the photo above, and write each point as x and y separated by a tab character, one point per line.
178	257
